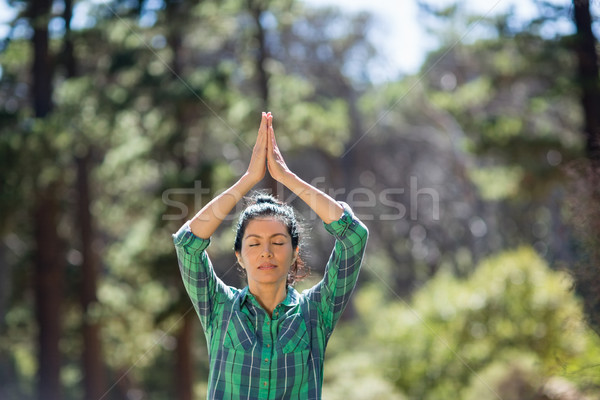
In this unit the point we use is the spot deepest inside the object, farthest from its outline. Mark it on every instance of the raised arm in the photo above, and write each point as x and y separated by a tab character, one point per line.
333	292
208	219
323	205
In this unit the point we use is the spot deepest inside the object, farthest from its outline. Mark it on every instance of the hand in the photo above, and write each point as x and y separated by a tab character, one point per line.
275	162
258	162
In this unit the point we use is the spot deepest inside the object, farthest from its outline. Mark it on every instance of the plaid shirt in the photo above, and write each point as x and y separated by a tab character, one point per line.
255	356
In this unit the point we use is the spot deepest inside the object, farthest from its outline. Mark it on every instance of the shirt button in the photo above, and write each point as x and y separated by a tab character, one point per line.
264	383
266	360
268	345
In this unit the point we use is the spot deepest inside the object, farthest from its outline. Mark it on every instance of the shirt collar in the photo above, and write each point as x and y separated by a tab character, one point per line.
292	298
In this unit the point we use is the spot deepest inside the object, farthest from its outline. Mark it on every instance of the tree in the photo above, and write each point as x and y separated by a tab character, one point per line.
94	381
588	78
506	331
258	10
586	188
49	266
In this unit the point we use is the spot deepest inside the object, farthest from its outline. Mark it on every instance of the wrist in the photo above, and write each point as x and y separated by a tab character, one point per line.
248	181
289	179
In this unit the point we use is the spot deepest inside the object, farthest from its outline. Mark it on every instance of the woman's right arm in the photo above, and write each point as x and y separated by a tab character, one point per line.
208	219
199	278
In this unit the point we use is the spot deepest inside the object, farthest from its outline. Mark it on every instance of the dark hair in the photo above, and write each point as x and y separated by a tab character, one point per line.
264	205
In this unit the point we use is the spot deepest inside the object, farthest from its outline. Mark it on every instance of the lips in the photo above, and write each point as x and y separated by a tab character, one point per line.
267	266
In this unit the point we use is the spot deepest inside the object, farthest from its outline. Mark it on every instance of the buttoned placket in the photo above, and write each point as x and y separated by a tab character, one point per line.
269	336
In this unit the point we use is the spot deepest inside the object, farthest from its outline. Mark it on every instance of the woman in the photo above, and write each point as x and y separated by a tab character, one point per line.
267	341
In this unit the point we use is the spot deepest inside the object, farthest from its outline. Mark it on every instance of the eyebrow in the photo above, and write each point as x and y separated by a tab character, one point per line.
260	237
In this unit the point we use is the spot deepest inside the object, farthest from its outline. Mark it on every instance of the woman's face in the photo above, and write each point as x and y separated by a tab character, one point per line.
267	252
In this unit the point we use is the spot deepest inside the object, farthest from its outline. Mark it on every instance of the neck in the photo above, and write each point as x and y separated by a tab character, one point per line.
268	296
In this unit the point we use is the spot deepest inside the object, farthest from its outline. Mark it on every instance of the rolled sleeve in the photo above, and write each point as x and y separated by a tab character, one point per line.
186	240
339	228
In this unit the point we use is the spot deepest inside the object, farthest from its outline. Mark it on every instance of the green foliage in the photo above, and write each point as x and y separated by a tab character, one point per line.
466	338
469	96
513	108
496	183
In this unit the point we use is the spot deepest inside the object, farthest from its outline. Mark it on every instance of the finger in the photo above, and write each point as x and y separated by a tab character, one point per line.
265	128
262	141
272	134
270	148
263	123
269	142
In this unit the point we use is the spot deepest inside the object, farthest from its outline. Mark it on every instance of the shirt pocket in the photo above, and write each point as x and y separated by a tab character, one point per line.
293	335
240	333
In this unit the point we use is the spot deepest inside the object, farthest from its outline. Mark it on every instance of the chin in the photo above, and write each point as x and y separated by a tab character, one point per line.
270	280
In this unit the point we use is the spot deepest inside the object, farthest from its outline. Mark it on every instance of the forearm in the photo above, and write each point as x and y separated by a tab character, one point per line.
322	204
208	219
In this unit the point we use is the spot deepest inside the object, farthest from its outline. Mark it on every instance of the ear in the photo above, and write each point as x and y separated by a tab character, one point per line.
239	259
295	256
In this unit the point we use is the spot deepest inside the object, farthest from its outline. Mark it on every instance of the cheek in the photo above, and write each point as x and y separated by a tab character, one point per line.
286	253
249	252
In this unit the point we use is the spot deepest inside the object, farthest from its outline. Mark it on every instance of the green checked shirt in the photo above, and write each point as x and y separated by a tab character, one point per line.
252	355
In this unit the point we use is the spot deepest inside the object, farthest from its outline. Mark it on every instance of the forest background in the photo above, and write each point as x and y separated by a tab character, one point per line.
477	177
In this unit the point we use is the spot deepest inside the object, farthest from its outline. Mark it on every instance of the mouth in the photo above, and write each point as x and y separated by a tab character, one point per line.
267	266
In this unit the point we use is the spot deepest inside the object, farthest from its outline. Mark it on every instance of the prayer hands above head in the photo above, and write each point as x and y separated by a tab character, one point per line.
258	162
266	154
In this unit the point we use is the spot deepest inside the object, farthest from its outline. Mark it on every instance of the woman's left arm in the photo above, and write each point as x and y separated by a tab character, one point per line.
322	204
341	272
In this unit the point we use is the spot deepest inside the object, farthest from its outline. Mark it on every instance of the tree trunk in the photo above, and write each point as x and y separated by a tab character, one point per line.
92	360
261	58
256	9
48	293
185	359
93	368
69	60
586	273
589	81
353	160
42	66
48	264
8	374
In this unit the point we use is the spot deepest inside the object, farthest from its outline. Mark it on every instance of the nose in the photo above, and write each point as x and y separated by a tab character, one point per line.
266	251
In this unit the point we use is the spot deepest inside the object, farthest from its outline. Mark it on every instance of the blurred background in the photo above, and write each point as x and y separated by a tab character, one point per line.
464	134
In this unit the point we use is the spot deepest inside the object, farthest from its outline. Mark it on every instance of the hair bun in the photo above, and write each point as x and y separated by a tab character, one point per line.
265	198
